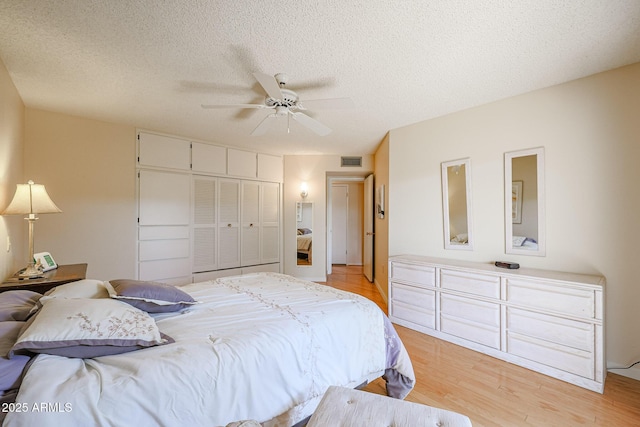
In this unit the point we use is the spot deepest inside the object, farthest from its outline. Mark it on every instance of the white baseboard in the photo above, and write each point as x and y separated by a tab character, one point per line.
633	372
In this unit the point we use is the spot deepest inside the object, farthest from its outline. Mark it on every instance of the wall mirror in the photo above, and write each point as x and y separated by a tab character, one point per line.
304	233
524	202
456	204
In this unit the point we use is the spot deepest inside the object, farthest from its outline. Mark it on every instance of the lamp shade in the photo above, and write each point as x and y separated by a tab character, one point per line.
31	198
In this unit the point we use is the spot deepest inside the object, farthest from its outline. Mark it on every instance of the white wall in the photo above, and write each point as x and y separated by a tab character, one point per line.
88	168
590	131
312	169
12	227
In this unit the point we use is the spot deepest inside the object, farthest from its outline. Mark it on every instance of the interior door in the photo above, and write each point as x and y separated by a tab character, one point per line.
367	255
339	204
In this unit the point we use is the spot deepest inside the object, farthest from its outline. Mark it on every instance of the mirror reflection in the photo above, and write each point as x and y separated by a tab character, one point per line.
456	202
524	202
304	233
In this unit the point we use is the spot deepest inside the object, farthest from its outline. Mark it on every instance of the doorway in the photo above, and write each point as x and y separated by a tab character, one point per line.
345	221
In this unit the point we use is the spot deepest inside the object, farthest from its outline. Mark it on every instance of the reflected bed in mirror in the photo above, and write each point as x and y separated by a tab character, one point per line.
304	233
524	202
456	204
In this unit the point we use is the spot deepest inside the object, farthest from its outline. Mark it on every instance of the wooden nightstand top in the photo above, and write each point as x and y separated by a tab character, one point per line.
61	275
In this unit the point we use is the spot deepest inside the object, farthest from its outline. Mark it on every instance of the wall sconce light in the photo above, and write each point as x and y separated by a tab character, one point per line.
31	199
304	190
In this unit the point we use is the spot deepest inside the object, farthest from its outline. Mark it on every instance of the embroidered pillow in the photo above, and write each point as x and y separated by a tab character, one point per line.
152	297
87	328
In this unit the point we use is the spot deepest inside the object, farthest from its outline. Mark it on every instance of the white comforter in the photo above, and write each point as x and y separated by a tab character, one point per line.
263	347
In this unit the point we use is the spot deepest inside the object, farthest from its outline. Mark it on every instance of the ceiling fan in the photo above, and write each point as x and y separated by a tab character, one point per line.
285	102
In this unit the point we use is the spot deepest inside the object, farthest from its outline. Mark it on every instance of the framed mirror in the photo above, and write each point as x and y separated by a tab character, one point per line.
456	204
304	233
524	202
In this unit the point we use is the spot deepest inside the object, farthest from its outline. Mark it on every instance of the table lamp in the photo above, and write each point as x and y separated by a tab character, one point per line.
31	199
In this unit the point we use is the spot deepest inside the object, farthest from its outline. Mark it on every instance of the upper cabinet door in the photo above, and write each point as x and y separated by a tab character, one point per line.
209	158
163	151
242	163
270	168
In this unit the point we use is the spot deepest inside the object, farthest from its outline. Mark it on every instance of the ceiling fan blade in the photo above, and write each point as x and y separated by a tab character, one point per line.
312	124
312	84
333	103
269	84
264	125
236	106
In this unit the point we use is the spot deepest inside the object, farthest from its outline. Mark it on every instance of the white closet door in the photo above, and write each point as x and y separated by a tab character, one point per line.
164	198
270	223
228	223
204	224
250	223
163	226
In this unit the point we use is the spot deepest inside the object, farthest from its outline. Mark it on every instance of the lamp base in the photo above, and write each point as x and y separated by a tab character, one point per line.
30	272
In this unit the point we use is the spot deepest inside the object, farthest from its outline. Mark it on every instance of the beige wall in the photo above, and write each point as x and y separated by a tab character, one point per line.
315	170
590	131
381	225
88	168
13	256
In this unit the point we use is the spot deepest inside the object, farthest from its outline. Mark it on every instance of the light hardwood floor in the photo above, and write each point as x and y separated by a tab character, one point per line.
496	393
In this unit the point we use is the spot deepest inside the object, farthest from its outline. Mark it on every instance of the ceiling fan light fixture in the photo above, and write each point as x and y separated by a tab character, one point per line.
285	102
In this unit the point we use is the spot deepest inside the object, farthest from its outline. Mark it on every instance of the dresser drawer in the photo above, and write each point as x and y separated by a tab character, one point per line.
566	332
472	283
562	299
415	274
555	355
475	332
413	295
421	316
483	312
476	321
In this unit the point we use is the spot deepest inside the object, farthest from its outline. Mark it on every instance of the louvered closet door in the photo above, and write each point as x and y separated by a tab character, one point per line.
250	223
270	223
228	223
205	227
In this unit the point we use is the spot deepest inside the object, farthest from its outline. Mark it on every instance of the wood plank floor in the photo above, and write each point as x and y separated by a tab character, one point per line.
496	393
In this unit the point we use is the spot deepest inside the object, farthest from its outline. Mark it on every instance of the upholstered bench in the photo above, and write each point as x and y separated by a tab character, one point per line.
347	407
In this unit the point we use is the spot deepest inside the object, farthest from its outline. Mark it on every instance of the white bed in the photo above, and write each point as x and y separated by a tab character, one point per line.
264	347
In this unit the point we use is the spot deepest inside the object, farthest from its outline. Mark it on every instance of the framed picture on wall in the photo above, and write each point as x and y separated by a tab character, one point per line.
516	202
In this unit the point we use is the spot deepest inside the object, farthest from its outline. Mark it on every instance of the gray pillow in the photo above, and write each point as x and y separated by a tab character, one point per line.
152	297
16	305
86	328
10	369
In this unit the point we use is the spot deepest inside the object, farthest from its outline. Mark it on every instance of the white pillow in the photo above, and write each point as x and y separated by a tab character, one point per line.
85	328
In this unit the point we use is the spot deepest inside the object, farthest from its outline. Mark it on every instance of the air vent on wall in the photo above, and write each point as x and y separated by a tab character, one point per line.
351	161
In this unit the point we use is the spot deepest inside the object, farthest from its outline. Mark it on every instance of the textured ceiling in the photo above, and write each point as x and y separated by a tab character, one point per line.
151	64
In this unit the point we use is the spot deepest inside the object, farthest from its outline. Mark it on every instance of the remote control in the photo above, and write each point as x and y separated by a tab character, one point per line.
510	265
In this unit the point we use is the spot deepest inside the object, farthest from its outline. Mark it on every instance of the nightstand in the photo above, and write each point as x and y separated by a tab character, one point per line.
61	275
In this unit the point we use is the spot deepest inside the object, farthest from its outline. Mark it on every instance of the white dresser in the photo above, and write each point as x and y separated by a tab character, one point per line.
548	321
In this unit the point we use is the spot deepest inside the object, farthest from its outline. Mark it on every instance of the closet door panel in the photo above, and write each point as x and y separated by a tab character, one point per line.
228	223
164	198
250	223
204	224
270	223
